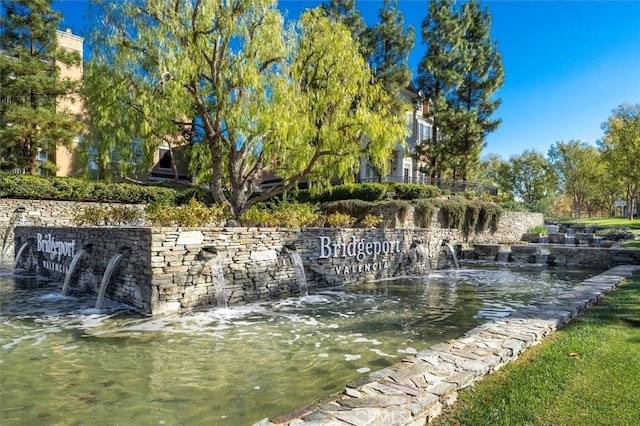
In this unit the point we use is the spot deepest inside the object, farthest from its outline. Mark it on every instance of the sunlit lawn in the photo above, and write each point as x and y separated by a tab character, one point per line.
614	222
585	374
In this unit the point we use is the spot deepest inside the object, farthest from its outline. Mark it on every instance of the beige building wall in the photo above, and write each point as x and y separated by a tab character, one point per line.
63	157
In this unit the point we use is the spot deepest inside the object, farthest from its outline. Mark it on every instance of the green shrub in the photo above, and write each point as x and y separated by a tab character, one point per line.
359	191
538	230
489	217
340	220
74	189
191	214
355	208
412	191
286	214
107	215
371	221
424	212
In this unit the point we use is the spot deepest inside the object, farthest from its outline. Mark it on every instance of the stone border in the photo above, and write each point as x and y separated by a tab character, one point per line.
416	390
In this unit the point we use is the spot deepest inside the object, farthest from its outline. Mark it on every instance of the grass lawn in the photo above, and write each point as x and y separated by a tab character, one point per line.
585	374
615	222
631	244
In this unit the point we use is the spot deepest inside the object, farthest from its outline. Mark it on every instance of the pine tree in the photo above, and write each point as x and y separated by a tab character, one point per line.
483	76
386	45
30	84
439	74
460	72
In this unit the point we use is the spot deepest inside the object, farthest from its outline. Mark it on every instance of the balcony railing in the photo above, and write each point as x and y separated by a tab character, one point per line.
451	185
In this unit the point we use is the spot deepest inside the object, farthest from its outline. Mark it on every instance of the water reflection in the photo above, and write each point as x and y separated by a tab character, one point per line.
68	363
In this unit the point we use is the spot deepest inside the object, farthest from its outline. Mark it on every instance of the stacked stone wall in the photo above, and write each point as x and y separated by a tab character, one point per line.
38	213
511	227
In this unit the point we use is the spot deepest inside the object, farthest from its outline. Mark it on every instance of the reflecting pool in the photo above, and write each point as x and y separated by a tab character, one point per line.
64	362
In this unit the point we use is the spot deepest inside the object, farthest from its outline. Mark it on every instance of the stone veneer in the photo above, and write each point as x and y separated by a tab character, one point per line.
416	390
60	213
169	269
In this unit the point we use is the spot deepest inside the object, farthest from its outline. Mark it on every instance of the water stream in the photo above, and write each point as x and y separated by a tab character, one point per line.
217	278
72	267
106	277
64	362
451	253
301	278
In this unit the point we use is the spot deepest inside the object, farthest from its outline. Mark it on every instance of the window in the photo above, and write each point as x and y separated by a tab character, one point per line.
165	159
425	132
42	155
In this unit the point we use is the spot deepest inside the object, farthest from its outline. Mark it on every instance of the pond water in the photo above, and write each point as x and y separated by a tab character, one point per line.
63	362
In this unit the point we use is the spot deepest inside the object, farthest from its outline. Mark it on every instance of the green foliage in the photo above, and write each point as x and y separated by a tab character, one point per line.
425	210
469	216
489	217
386	45
107	215
371	221
410	191
297	104
528	176
356	208
194	213
353	191
621	149
459	73
74	189
340	220
579	169
538	230
286	214
33	120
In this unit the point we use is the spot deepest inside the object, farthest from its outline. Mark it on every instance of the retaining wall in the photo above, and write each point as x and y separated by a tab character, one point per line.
511	227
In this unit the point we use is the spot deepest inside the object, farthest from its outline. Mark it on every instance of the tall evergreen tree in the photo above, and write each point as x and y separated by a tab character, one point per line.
483	75
386	45
438	75
460	72
30	84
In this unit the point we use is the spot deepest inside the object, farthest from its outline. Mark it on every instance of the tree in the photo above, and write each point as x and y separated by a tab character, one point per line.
386	45
576	165
438	75
483	75
31	119
529	176
621	149
247	98
460	72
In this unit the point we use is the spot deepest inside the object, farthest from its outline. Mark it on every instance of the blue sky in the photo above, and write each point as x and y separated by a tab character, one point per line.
568	64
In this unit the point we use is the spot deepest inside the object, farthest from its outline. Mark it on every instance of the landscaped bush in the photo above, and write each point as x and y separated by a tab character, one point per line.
193	213
107	215
359	191
74	189
286	214
371	221
424	212
468	216
538	230
340	220
412	191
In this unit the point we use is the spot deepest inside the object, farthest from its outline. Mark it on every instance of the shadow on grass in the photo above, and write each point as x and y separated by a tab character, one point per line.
622	305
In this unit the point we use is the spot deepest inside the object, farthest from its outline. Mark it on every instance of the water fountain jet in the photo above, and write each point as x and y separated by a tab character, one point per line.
107	274
301	277
67	278
217	275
